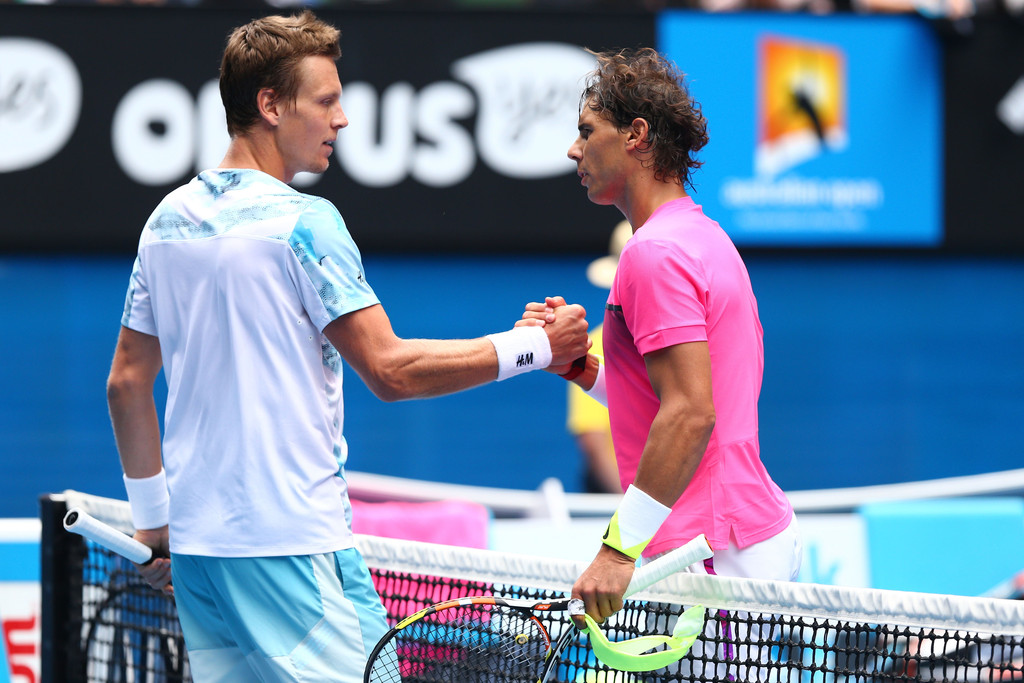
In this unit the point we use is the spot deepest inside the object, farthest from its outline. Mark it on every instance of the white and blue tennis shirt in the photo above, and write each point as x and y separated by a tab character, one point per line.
237	274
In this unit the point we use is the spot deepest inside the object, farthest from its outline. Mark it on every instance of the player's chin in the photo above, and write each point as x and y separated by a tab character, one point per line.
320	163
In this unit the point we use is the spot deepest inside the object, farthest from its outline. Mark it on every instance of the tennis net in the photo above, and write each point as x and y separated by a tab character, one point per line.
102	623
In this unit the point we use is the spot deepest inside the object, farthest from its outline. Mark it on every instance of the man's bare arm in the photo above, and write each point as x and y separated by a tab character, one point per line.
396	369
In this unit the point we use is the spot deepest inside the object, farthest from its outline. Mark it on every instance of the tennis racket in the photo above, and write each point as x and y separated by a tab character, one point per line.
488	638
82	523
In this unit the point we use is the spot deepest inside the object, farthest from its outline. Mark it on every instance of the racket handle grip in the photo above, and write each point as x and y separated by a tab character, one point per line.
674	561
82	523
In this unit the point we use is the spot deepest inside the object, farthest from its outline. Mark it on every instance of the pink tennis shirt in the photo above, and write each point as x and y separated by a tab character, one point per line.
680	280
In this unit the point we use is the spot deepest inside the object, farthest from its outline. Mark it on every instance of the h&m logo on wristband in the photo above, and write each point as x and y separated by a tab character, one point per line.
524	359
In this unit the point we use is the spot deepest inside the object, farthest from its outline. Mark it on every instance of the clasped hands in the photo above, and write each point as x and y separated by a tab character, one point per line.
566	327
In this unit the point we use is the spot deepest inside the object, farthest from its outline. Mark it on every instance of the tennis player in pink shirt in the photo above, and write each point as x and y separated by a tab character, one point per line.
682	342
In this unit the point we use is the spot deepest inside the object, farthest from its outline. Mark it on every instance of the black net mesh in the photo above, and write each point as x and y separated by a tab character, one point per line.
113	628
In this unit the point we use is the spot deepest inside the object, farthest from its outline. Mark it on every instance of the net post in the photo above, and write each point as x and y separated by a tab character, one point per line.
55	548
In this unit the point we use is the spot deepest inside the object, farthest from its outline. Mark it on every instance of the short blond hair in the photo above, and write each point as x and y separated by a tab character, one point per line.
265	53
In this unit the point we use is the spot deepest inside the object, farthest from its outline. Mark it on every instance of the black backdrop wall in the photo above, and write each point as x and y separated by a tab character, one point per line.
457	147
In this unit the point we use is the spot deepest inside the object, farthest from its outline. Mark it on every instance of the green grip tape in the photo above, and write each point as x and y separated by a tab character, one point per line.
639	654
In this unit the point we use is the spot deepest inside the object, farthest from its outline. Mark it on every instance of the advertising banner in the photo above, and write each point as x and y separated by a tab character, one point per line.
824	131
459	124
19	600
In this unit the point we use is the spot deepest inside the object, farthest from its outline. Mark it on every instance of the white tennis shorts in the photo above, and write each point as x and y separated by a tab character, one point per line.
777	558
309	617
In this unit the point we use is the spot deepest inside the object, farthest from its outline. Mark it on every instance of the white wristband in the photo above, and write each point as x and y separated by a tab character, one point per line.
520	350
635	522
149	500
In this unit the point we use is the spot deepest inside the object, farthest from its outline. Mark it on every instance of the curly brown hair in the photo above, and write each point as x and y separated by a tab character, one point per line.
265	53
641	83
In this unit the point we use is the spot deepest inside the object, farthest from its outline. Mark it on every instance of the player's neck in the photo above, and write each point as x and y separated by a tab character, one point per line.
251	151
644	198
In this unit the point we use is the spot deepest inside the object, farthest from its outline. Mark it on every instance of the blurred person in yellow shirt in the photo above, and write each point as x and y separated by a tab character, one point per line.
587	418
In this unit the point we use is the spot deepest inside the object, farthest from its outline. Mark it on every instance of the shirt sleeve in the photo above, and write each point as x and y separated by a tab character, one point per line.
138	307
663	294
331	262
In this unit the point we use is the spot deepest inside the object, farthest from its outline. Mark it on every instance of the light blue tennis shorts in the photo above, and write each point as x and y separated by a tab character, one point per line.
293	618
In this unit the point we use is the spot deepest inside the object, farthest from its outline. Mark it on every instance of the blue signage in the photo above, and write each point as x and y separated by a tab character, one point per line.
824	130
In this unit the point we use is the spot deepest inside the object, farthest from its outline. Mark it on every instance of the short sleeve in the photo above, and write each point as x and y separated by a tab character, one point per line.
663	294
330	260
138	307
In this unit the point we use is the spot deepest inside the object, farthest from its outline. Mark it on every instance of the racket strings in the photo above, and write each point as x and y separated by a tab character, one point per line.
474	644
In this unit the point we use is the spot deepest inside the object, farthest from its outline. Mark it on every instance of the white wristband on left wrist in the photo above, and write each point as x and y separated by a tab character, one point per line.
635	522
149	500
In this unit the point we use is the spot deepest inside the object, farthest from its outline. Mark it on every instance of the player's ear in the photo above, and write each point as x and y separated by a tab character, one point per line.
269	105
638	134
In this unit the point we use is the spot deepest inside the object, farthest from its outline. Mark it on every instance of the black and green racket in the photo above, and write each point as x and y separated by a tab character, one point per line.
489	639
